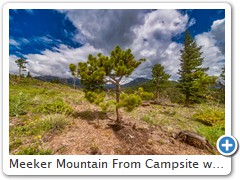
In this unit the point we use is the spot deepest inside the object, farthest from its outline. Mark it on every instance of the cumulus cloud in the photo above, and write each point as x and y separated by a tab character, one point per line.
13	68
213	47
55	62
149	34
218	33
105	28
154	41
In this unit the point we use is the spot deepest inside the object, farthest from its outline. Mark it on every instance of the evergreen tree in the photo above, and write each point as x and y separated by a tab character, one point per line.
222	75
99	70
222	83
73	69
28	75
159	80
193	81
21	65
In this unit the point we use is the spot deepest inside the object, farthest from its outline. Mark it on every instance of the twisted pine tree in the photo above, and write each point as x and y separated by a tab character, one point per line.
159	80
99	70
193	81
21	65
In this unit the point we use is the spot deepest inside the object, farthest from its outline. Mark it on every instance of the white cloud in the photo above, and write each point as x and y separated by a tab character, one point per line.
56	62
13	68
105	28
12	42
154	41
149	34
218	33
213	43
24	41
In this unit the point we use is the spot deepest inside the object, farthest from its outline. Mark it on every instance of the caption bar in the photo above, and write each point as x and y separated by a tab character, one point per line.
119	165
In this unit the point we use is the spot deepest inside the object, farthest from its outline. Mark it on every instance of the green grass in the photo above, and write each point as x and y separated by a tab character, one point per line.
39	108
57	106
54	122
212	122
34	150
18	104
211	133
208	120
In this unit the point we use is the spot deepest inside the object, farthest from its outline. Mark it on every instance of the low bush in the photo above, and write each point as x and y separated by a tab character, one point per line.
212	123
210	117
58	107
129	101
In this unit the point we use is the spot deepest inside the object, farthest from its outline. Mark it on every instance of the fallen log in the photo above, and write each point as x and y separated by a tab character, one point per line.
145	104
195	140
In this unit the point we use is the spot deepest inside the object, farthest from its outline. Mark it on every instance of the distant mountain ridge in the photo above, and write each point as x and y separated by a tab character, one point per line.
136	82
69	81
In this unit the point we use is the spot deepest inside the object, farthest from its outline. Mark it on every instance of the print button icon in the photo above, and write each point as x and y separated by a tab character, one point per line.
227	145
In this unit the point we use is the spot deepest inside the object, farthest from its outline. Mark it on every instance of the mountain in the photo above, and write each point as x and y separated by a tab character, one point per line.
69	81
136	82
55	79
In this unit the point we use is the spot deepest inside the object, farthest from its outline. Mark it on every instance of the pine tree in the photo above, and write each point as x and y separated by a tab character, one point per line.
222	75
73	69
159	80
222	82
193	81
21	65
99	70
29	75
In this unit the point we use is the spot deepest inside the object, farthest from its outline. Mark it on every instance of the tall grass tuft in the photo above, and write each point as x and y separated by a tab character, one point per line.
54	122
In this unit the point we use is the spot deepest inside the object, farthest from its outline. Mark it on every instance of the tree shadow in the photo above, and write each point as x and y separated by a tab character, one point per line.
91	115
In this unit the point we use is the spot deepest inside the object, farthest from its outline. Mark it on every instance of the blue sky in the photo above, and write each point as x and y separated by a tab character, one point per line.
52	39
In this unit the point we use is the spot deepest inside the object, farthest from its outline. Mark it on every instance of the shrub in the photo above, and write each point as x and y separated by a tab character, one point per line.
54	122
129	101
57	106
145	95
105	105
210	117
212	124
17	105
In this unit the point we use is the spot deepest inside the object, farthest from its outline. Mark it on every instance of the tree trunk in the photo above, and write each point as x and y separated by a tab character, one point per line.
187	100
74	82
117	100
157	94
19	72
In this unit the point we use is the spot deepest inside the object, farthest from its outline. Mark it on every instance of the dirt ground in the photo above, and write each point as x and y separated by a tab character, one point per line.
97	133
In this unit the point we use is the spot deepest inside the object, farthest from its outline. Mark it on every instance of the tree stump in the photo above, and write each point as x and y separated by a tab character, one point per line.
195	140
